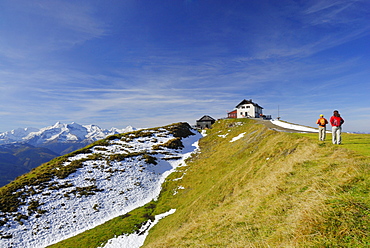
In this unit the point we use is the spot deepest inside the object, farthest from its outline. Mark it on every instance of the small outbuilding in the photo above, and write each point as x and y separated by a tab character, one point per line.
205	122
232	114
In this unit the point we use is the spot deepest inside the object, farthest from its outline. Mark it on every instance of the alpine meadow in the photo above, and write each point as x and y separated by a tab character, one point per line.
262	189
188	123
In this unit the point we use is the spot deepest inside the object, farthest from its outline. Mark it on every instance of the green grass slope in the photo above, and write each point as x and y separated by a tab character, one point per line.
18	159
266	189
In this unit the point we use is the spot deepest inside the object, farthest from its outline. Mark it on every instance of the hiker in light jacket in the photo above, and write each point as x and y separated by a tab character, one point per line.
336	122
322	127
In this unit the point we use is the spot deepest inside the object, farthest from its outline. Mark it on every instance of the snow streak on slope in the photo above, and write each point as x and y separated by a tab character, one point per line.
294	126
237	137
136	240
113	180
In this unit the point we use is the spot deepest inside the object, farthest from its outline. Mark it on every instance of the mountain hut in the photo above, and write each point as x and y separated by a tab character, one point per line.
205	122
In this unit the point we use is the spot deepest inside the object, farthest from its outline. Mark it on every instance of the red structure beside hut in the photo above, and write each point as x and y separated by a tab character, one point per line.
232	114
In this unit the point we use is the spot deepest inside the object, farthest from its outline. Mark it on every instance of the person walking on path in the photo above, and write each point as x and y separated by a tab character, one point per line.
336	122
322	127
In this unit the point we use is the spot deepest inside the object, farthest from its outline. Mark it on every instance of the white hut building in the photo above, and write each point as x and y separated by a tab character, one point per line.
248	108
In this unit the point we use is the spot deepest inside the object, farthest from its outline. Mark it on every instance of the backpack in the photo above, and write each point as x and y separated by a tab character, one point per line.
322	122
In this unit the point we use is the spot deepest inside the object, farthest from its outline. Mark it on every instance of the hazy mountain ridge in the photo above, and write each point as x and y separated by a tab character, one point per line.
75	192
17	159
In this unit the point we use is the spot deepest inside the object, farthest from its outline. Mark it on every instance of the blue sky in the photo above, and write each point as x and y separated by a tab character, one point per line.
149	63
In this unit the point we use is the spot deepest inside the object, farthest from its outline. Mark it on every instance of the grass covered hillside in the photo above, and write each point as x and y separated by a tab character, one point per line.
268	189
254	187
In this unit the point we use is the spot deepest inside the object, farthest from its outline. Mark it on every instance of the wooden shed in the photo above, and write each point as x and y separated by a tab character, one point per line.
205	122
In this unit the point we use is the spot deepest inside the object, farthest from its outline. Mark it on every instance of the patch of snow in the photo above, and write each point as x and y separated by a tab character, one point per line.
204	133
136	240
294	126
176	191
237	137
178	179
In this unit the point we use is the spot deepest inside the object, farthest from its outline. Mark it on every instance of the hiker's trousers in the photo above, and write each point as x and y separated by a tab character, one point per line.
322	133
336	135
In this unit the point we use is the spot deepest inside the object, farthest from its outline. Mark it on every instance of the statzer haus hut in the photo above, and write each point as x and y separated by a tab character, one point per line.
246	109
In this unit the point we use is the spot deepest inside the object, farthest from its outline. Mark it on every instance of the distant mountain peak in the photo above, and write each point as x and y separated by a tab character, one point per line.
60	132
16	135
45	143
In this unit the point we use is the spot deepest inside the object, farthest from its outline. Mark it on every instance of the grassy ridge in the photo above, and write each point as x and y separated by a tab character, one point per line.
267	189
357	142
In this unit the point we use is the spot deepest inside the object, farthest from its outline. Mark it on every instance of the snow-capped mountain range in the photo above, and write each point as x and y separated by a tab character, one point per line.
59	132
25	148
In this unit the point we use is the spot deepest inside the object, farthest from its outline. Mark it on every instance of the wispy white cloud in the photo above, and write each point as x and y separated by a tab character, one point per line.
70	61
38	27
330	10
77	16
301	30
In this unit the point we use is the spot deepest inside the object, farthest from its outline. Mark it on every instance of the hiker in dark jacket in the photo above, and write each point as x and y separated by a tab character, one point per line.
322	127
336	122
